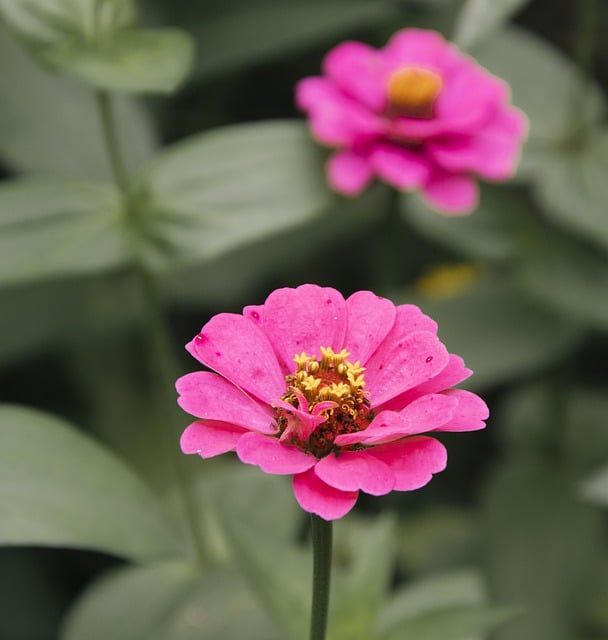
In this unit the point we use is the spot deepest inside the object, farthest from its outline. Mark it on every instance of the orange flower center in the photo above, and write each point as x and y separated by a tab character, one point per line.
412	92
332	381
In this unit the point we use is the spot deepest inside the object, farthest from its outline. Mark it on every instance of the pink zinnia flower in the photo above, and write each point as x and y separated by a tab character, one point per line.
418	114
334	392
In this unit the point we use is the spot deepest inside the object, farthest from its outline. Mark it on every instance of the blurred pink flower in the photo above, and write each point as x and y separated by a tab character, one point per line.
334	392
418	114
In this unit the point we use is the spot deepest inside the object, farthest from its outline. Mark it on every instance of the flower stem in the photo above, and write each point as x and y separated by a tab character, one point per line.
161	363
322	547
110	137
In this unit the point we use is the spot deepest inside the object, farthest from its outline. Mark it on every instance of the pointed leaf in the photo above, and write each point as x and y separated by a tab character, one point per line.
451	606
167	602
56	228
573	188
223	189
479	18
136	60
60	488
49	124
500	332
521	58
364	566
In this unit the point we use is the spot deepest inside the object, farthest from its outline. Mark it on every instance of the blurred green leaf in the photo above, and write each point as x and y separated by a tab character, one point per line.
446	606
251	32
92	40
568	275
479	18
573	187
135	60
167	602
595	488
523	59
235	274
500	332
42	23
540	545
60	488
229	187
54	228
50	125
255	515
364	562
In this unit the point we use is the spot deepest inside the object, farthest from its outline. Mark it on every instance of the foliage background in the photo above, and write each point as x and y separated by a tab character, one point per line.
519	288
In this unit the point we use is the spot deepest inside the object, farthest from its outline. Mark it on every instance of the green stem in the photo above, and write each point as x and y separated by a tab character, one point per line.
321	547
110	137
163	369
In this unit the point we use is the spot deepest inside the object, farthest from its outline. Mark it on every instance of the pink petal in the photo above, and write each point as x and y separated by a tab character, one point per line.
428	413
358	70
272	456
349	172
314	496
335	119
207	395
469	95
304	319
454	373
238	350
491	152
455	194
470	413
418	48
399	167
254	313
210	439
370	318
403	362
412	460
353	470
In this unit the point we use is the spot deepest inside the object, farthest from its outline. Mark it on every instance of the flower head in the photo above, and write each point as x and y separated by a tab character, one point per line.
418	114
331	391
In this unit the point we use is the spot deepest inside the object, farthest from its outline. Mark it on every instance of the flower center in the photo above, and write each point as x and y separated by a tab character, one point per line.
412	92
331	391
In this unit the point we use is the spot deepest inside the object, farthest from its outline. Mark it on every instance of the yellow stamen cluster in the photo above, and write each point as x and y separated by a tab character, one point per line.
412	92
331	379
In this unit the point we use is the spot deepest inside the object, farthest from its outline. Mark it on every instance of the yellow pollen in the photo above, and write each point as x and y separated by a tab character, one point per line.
412	92
332	379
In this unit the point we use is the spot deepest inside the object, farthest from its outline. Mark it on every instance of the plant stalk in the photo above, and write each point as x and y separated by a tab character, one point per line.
322	534
161	362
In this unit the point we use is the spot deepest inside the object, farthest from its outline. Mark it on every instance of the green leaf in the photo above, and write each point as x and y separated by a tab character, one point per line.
479	18
447	606
50	125
136	60
363	566
223	189
41	23
60	488
252	32
595	488
55	228
167	602
573	187
255	517
569	276
500	332
521	58
540	545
